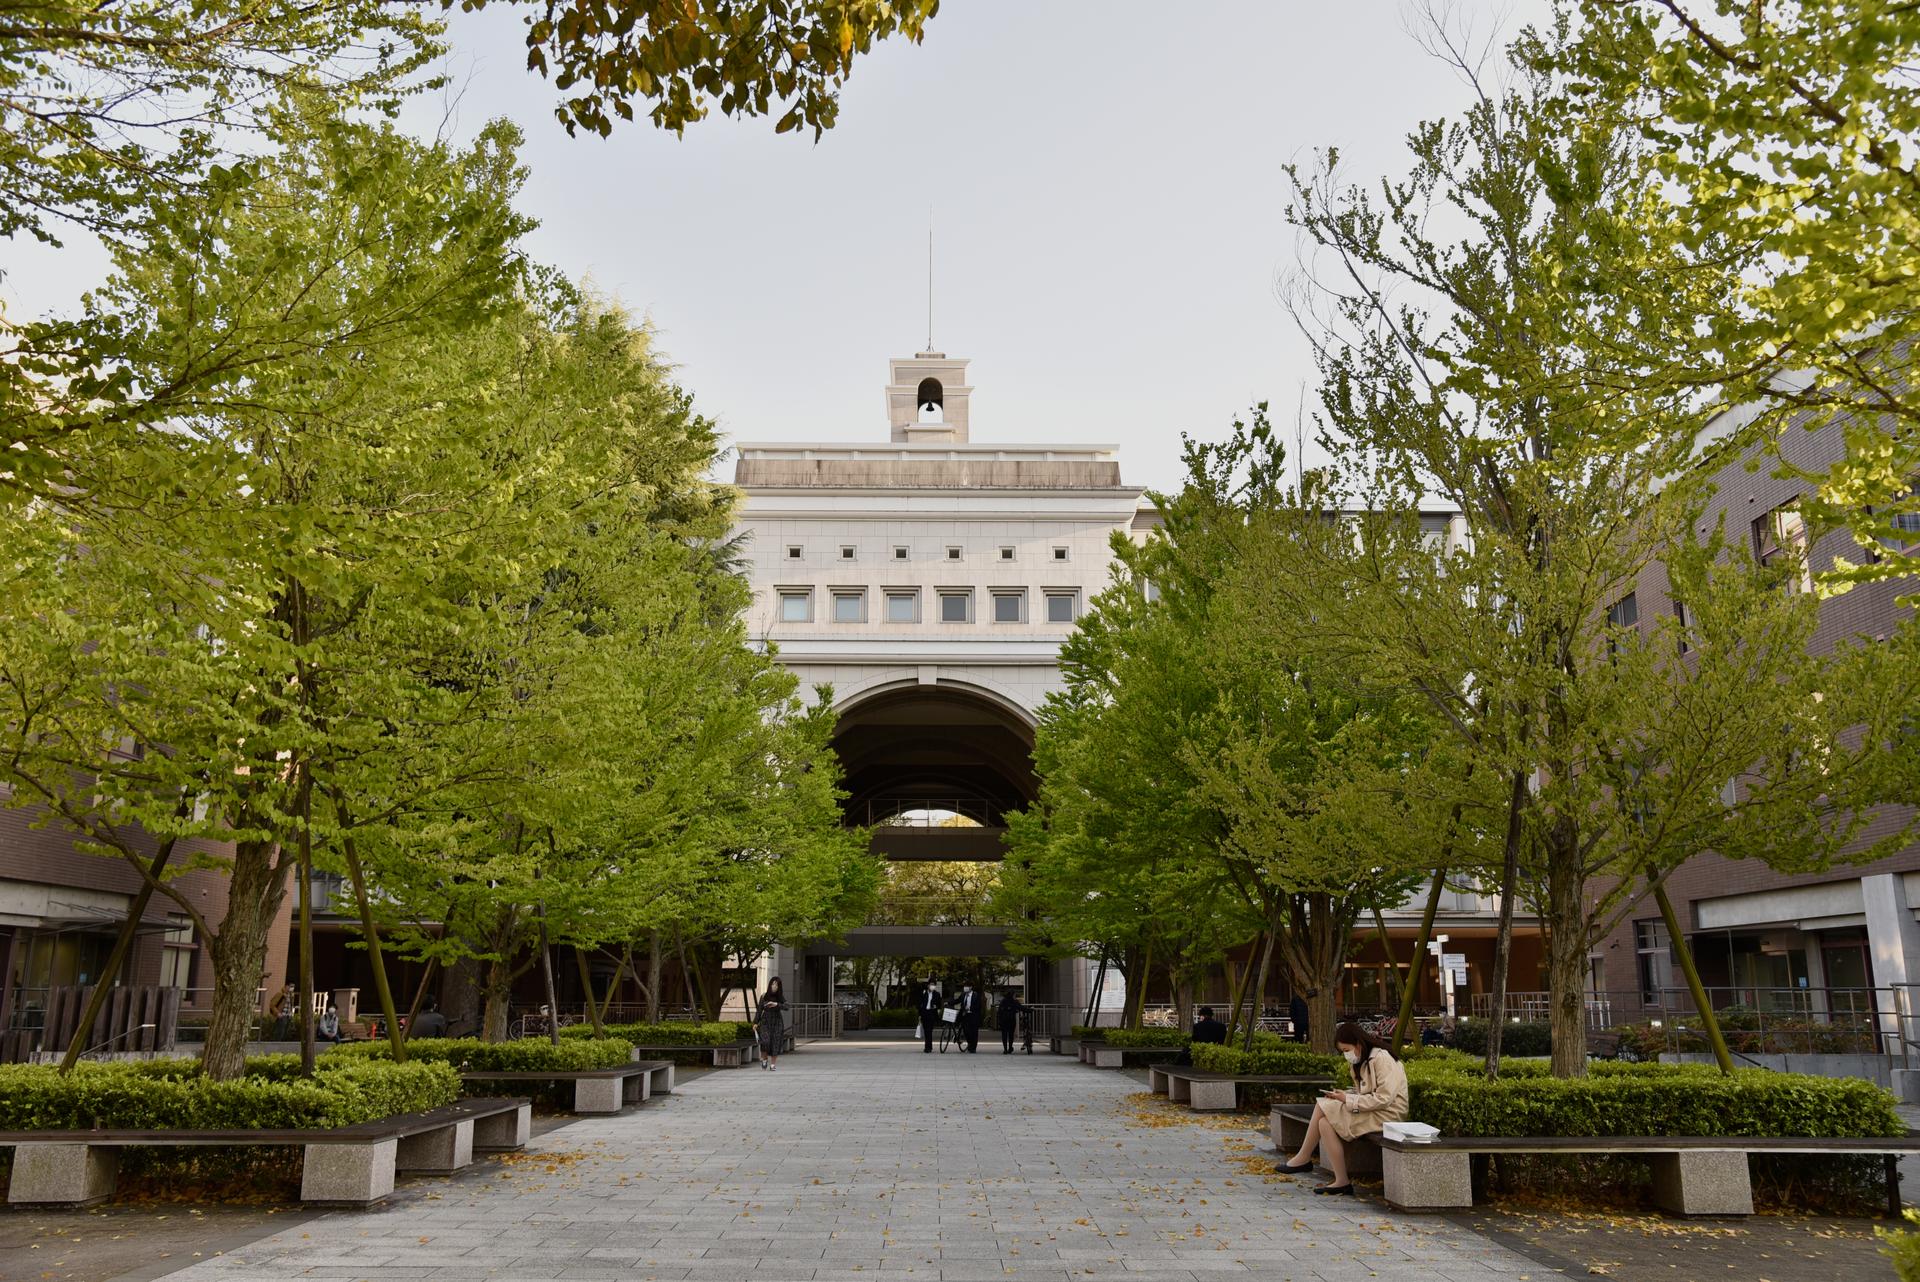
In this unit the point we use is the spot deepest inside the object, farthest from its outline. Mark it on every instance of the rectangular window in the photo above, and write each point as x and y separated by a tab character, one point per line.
796	607
903	607
1624	613
1006	554
1684	618
793	551
849	607
1059	554
176	954
1656	961
846	552
1009	607
1781	535
956	607
1062	607
953	554
899	554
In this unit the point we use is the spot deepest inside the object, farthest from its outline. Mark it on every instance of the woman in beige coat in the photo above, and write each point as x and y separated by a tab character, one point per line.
1379	1096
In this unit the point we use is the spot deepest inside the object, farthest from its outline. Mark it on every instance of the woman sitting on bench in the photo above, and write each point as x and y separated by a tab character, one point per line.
1379	1096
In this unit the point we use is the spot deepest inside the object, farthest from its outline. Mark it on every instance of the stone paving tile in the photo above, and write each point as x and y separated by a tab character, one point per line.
874	1164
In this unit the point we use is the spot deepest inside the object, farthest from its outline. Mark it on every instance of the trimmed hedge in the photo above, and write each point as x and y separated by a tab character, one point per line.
893	1017
672	1033
471	1055
1646	1099
1274	1057
172	1095
1470	1035
1135	1037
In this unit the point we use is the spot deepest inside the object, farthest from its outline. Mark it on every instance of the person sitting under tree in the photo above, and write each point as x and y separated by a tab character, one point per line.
1379	1096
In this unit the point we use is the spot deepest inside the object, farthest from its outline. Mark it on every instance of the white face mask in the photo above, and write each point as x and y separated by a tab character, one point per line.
1353	1057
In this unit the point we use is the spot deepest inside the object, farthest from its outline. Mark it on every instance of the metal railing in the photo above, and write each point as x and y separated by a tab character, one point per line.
1834	1020
814	1021
934	812
933	910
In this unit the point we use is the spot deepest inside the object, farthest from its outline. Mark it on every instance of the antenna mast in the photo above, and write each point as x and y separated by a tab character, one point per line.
929	346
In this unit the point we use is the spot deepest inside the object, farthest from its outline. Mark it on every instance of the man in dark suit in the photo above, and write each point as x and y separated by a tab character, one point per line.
1297	1015
971	1013
1206	1031
930	1008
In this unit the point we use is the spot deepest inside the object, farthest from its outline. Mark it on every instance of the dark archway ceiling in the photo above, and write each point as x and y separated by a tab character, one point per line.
924	743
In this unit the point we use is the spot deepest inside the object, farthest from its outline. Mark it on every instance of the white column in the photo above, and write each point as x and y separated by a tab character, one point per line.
1893	943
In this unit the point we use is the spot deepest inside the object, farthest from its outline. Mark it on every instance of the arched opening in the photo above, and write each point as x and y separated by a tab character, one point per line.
932	400
931	771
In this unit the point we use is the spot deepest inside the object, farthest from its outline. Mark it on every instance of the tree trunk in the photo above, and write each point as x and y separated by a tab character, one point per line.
586	986
546	973
305	873
498	993
1259	986
1567	954
1677	941
383	991
1394	984
420	999
620	968
653	977
1503	938
1414	966
117	959
238	954
1093	992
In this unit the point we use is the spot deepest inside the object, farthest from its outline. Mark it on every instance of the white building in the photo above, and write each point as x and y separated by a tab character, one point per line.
930	581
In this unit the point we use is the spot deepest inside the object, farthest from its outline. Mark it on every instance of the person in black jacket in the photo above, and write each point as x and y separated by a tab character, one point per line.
1206	1031
1010	1009
1297	1015
972	1011
930	1008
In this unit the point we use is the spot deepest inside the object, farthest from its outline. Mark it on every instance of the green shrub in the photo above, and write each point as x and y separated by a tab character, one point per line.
1749	1032
1470	1035
894	1017
171	1094
1279	1058
1648	1099
529	1054
671	1033
1147	1037
1903	1247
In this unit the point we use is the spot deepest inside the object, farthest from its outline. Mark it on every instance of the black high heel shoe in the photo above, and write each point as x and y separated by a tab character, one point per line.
1337	1190
1288	1168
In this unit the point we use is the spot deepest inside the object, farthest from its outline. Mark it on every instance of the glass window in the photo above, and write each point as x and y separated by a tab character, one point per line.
956	607
1684	617
899	554
1059	554
903	607
849	607
1061	607
953	554
1782	535
1625	612
1006	554
1009	607
793	551
846	552
796	607
1656	961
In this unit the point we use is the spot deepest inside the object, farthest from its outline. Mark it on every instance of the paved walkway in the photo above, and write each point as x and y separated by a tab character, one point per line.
879	1164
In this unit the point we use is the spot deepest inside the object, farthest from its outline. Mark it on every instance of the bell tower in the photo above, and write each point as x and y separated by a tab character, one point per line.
927	398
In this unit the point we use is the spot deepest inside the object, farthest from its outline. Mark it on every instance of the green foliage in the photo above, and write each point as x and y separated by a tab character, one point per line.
1749	1032
671	1033
893	1017
471	1055
175	1094
1903	1247
1647	1099
1470	1037
1146	1037
1280	1059
754	57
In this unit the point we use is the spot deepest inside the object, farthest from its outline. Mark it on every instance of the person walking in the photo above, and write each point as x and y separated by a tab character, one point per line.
773	1023
971	1013
1379	1096
280	1010
930	1008
1010	1009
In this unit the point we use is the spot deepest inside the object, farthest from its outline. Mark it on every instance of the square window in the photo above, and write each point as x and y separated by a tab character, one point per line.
956	607
846	552
903	607
1006	554
899	554
1061	607
793	551
1009	607
1059	554
796	607
953	554
849	607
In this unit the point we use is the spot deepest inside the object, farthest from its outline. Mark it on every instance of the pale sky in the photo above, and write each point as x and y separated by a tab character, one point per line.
1105	185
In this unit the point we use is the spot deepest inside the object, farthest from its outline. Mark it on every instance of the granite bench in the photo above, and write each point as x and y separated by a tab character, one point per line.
1105	1055
343	1165
724	1055
595	1090
1288	1124
1210	1092
1692	1175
